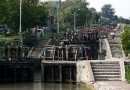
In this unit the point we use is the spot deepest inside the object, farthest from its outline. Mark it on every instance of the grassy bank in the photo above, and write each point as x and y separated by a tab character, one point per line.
127	72
47	36
125	40
127	27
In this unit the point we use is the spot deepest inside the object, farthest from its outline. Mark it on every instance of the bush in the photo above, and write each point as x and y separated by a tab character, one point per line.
125	40
10	34
1	33
47	36
127	27
30	40
2	43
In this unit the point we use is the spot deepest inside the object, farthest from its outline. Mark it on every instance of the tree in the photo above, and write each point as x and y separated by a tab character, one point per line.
67	8
32	13
92	9
10	13
108	11
123	20
67	13
95	16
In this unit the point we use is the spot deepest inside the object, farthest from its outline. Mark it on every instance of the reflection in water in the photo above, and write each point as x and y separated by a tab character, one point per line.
41	86
38	85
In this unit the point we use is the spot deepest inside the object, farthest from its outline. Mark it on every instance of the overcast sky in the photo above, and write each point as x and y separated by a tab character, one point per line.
121	6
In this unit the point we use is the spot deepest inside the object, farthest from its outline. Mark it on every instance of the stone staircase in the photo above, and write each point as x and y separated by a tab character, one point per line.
38	50
116	49
115	45
106	70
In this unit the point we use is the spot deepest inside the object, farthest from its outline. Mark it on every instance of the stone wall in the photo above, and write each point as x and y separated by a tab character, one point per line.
108	50
84	72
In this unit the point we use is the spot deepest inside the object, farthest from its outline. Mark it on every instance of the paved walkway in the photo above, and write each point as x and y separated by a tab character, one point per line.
111	85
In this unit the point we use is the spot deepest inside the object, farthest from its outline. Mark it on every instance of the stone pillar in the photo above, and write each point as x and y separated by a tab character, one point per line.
42	71
60	73
122	68
15	78
84	72
70	73
52	70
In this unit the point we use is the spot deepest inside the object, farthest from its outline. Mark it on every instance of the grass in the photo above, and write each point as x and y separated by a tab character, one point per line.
127	72
126	36
127	27
47	36
2	43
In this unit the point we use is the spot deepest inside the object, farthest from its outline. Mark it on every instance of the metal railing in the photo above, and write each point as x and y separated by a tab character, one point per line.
63	53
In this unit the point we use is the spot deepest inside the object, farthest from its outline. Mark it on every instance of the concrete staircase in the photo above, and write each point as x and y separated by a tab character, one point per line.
106	70
38	50
115	45
116	49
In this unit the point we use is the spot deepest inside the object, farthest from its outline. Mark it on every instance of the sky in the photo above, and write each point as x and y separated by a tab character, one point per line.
121	6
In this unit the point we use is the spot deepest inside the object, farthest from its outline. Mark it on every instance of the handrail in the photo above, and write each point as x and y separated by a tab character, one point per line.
29	54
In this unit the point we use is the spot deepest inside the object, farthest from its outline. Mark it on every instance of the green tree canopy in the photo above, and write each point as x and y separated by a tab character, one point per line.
123	20
95	16
69	7
33	13
108	11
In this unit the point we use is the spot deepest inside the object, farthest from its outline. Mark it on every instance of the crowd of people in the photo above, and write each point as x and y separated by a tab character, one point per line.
84	35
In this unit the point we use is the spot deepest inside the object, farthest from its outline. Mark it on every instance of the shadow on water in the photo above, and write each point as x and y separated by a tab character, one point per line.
41	86
38	85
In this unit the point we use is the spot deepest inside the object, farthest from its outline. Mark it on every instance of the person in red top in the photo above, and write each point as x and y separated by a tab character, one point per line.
88	58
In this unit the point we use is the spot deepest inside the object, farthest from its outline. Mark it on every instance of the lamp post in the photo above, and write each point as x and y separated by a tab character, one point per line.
58	7
75	19
20	31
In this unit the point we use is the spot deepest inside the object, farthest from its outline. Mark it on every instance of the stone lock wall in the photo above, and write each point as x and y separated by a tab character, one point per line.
84	72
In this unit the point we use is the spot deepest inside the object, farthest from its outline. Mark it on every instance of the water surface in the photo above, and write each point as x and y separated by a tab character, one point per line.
41	86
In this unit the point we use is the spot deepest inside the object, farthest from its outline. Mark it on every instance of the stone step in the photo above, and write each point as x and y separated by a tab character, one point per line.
105	62
107	76
107	79
116	51
103	67
106	70
118	45
106	73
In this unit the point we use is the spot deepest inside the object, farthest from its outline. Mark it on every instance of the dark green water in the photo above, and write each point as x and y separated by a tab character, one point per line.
41	86
38	85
